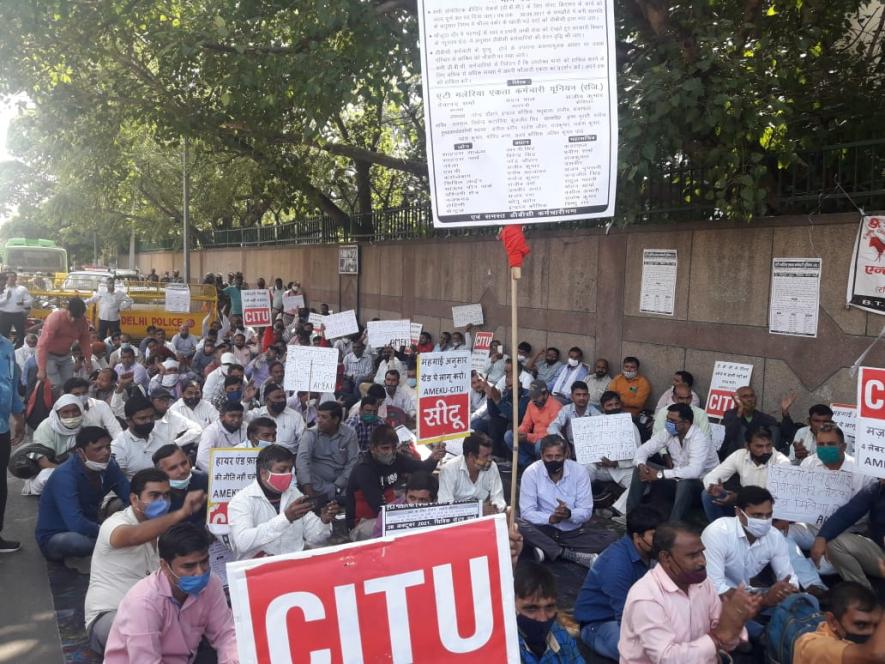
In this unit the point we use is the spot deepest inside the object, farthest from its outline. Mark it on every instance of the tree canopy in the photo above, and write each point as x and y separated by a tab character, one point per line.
298	108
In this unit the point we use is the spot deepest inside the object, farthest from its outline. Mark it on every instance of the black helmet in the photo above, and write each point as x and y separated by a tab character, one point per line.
23	462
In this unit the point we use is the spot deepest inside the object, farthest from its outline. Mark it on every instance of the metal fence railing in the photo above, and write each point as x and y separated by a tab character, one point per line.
823	180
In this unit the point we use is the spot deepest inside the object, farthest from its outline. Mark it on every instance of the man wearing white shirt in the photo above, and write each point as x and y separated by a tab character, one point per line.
271	516
473	476
96	413
668	398
129	368
192	405
110	303
682	394
214	385
477	395
26	351
804	441
555	504
738	548
358	365
398	396
228	431
750	464
134	448
693	456
15	302
289	423
171	427
389	363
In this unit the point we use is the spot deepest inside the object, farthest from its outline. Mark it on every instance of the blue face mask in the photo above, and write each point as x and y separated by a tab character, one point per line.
156	508
671	427
411	382
234	397
193	585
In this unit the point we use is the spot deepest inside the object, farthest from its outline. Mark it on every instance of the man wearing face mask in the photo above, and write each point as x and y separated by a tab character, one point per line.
473	476
574	370
289	424
374	477
228	431
738	548
601	600
232	392
751	466
853	632
674	613
214	385
270	516
125	551
555	505
171	427
542	640
682	394
261	432
398	396
192	406
183	479
203	357
134	447
58	433
633	388
67	520
166	615
96	413
365	421
804	442
169	378
692	454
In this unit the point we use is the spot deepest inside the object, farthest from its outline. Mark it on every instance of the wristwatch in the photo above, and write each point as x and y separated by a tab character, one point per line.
660	475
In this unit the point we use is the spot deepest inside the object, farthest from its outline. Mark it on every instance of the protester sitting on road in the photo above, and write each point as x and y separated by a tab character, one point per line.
668	398
578	406
674	614
744	417
96	413
170	426
473	476
555	504
618	471
67	519
374	477
542	640
326	454
692	454
751	466
633	388
192	405
545	364
541	411
135	446
803	441
573	370
227	431
58	432
165	616
183	479
365	421
681	394
125	551
421	489
601	600
289	423
261	432
270	516
852	633
129	371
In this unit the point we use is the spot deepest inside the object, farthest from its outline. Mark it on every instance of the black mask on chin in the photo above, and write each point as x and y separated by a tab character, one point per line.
554	467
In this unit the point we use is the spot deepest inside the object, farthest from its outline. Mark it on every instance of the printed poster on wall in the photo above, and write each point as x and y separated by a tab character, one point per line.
866	279
520	110
658	291
795	296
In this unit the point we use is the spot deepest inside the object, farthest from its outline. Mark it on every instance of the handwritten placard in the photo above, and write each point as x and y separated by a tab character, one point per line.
416	332
292	303
845	417
394	333
311	369
317	320
467	314
342	324
417	517
728	377
808	495
609	436
178	299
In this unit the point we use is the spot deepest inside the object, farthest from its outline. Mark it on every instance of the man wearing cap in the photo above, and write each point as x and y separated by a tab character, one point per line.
539	414
110	303
168	378
214	385
228	431
170	426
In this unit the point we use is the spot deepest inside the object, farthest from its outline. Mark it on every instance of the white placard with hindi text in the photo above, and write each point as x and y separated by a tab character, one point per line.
230	469
845	417
418	517
443	395
311	369
728	377
467	314
317	320
808	495
394	333
178	299
795	296
416	332
609	436
292	303
658	291
342	324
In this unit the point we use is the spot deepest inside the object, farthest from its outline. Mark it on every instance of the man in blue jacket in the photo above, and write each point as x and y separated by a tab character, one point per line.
601	599
10	406
67	520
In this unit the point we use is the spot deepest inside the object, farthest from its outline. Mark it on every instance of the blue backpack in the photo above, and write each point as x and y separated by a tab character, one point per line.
797	615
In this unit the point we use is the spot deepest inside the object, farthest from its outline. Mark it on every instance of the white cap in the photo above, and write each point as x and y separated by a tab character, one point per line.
228	358
170	364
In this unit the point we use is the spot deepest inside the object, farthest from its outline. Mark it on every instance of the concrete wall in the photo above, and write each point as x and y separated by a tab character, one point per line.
582	288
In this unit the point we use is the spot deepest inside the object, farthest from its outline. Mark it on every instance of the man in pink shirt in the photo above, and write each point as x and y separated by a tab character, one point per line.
539	413
673	614
163	618
62	328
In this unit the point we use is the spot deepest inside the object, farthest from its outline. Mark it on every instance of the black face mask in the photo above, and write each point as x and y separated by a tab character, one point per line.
276	408
762	459
143	430
554	467
859	639
614	412
535	632
192	403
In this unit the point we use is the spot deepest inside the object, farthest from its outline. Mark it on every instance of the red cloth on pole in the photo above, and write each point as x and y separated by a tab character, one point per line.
515	245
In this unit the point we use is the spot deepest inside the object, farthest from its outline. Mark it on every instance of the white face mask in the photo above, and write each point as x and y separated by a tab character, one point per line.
758	528
169	380
572	362
629	375
71	422
521	358
95	465
264	443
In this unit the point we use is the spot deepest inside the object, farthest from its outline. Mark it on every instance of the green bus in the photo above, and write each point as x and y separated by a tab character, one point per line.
32	257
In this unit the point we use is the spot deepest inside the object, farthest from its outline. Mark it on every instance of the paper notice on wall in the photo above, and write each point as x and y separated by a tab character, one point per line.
808	495
866	279
795	296
609	436
520	110
340	325
311	369
292	303
394	333
467	314
178	299
727	378
658	291
845	417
